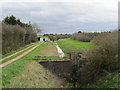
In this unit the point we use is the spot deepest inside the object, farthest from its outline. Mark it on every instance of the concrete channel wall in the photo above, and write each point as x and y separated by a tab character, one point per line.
58	66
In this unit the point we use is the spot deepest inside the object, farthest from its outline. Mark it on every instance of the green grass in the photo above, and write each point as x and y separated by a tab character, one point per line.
108	81
16	67
18	50
12	57
72	45
36	76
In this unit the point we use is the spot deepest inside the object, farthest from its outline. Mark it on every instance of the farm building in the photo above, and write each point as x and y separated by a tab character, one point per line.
43	39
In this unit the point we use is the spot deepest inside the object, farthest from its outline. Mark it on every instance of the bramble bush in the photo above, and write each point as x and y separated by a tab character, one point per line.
101	58
105	54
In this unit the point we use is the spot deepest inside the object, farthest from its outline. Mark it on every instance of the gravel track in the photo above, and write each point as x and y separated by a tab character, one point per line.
18	57
15	53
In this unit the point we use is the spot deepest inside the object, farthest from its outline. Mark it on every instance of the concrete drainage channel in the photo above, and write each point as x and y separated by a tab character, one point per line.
60	52
64	69
61	66
58	66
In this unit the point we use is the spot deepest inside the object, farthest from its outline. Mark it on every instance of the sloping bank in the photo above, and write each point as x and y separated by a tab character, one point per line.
17	67
36	76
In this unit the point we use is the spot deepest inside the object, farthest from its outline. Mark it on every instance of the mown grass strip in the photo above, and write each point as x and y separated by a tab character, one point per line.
3	56
20	56
68	45
16	67
15	55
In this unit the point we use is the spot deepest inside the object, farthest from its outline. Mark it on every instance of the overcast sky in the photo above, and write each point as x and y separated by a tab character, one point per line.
65	16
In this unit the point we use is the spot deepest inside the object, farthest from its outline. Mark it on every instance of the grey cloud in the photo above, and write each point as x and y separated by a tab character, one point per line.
64	17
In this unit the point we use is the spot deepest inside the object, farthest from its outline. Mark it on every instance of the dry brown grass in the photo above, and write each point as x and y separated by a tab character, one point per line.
49	50
36	76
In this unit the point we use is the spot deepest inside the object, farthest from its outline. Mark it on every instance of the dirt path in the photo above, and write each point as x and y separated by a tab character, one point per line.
15	53
49	50
18	57
36	76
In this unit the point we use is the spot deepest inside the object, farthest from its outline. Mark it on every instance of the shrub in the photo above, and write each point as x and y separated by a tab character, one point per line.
54	37
106	52
85	37
102	57
14	37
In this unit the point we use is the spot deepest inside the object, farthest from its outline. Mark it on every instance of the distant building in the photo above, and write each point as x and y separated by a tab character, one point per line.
44	39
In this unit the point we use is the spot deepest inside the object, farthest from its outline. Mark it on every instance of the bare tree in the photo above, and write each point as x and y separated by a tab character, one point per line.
36	28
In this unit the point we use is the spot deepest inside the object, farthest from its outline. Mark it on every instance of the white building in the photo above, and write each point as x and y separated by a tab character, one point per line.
44	39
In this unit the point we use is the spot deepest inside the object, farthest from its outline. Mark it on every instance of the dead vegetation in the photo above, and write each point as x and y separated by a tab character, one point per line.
36	76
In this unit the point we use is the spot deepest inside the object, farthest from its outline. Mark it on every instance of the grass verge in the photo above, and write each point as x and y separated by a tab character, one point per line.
16	67
18	50
12	57
68	45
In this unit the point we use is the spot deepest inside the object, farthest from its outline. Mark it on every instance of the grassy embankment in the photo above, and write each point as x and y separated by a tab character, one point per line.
68	45
15	68
36	76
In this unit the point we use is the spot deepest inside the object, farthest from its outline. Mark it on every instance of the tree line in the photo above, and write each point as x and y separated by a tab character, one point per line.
84	36
79	36
12	20
54	37
16	34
